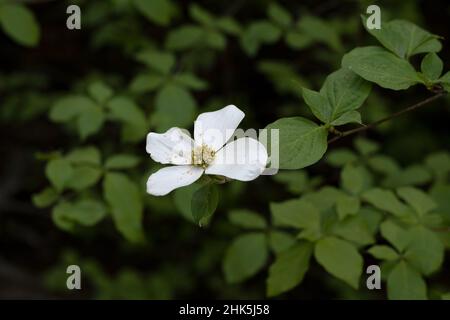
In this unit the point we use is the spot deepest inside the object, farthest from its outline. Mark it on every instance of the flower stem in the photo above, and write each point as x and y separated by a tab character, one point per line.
394	115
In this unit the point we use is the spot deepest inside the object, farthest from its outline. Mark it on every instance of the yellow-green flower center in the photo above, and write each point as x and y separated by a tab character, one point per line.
202	156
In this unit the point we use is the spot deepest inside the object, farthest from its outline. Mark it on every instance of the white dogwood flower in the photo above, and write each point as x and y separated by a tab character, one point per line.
242	159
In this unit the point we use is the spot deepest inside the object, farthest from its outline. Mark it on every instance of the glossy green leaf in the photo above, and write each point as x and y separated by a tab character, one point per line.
432	66
382	67
345	92
405	38
301	142
204	203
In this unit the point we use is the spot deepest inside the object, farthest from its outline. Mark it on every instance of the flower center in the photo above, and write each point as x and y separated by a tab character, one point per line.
202	156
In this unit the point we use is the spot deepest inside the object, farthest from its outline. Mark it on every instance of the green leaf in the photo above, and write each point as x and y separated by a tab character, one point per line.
383	164
432	66
295	181
159	12
100	92
318	104
280	241
19	23
125	110
417	199
340	157
296	213
340	258
383	252
200	15
289	269
146	82
247	219
378	65
122	161
345	92
412	175
301	142
160	61
348	117
396	235
84	155
175	107
425	251
59	171
245	257
190	80
258	33
354	229
228	25
185	37
125	201
279	15
90	121
45	198
298	40
69	107
355	179
445	80
182	199
320	30
84	177
204	203
404	283
215	40
406	39
385	200
85	212
89	212
365	146
347	205
439	164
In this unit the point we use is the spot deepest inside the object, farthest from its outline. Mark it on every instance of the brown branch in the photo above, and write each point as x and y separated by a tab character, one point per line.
394	115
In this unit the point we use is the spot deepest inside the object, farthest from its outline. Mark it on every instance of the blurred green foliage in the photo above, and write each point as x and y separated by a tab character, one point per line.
140	66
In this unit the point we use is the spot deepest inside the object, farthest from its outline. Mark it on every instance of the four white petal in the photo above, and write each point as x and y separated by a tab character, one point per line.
243	159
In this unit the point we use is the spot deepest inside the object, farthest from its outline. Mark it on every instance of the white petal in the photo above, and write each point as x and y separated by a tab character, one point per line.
243	159
169	178
215	128
172	147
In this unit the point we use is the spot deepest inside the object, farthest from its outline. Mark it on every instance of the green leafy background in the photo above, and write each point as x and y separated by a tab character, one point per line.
76	105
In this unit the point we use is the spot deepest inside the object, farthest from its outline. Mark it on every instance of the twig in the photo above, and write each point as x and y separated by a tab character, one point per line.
394	115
